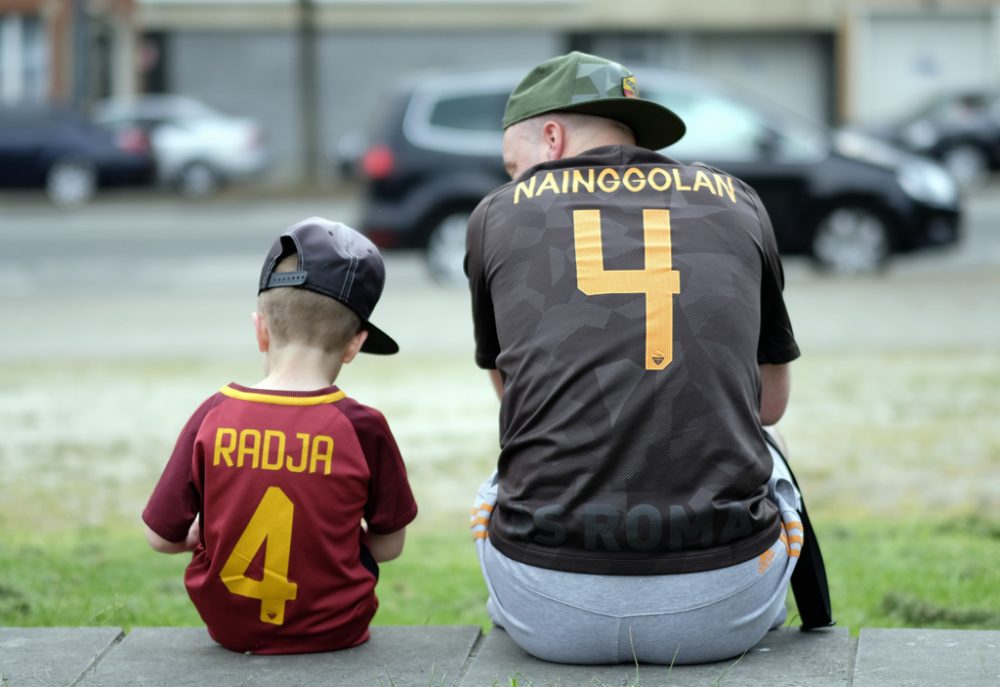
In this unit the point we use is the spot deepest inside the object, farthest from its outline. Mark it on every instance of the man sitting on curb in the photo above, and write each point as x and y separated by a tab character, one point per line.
629	308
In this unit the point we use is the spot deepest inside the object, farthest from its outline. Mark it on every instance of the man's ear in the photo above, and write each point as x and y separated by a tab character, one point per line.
554	139
354	346
260	329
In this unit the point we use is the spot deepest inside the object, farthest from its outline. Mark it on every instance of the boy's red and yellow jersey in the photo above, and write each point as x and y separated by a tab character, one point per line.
282	481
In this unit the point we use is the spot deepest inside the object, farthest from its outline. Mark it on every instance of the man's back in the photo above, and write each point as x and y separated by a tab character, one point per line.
626	300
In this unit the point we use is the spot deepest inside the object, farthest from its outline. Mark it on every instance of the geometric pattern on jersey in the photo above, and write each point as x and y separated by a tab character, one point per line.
606	465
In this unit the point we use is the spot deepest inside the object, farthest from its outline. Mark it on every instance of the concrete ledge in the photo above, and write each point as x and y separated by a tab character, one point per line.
187	657
458	656
52	655
914	658
784	657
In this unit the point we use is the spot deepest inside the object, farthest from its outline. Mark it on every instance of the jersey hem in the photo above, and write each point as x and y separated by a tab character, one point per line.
552	558
403	522
161	529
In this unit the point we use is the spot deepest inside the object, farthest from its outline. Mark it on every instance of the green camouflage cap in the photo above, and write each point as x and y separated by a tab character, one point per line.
592	85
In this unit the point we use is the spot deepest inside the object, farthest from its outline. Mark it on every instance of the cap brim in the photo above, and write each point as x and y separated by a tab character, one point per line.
378	342
653	125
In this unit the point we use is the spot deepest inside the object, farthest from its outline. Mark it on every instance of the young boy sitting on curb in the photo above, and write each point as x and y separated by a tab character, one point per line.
289	492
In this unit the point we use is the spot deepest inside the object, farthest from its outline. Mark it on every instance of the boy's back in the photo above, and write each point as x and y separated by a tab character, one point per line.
284	477
281	480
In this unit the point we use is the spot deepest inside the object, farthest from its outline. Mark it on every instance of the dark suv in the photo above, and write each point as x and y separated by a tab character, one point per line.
846	199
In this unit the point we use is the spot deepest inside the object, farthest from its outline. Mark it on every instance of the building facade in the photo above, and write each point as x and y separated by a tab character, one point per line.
832	61
67	51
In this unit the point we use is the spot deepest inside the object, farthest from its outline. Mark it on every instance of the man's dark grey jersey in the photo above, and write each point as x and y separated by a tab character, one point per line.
626	300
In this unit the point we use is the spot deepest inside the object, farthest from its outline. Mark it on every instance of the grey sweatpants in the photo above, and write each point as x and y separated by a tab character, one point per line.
685	618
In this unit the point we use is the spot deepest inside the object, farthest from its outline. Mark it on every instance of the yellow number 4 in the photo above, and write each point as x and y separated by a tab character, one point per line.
270	526
657	280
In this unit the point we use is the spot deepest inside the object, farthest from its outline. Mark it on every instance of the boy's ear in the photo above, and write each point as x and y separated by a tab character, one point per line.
354	346
260	329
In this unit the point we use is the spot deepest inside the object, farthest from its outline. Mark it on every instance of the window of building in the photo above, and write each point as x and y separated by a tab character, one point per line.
23	60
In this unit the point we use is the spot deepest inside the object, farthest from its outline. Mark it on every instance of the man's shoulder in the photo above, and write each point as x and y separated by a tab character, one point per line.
489	198
699	164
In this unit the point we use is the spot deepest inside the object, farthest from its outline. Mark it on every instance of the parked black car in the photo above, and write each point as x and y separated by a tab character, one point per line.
68	156
962	130
844	198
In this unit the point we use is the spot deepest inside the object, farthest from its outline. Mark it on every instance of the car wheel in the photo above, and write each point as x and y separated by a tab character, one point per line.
445	249
852	239
967	164
198	180
71	181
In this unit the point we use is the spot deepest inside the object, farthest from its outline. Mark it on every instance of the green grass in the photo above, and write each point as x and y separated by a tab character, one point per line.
918	573
90	577
435	582
110	577
898	453
938	573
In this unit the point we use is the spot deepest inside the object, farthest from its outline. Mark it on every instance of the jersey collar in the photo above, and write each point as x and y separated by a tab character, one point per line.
319	397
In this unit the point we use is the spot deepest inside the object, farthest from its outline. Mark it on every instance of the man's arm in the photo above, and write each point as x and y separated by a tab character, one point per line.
776	346
497	383
775	386
483	318
386	547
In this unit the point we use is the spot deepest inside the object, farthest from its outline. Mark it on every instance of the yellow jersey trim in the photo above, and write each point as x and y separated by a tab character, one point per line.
262	397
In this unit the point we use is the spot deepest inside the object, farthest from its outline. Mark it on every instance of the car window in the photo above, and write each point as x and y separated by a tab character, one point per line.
720	128
717	128
463	119
801	144
19	127
476	112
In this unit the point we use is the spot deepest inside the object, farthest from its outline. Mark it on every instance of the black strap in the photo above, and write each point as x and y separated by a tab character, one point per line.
809	585
286	279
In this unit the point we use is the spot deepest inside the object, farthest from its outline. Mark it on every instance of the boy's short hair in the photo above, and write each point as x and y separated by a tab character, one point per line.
334	261
295	315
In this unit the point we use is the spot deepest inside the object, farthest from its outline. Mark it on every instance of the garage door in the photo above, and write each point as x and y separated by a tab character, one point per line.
901	61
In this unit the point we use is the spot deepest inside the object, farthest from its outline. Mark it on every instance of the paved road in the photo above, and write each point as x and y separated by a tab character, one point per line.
90	247
154	276
135	275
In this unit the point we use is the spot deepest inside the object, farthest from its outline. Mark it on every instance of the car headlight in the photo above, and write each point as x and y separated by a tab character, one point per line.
927	182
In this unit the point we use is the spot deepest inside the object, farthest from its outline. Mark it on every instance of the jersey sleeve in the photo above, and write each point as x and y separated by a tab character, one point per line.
390	505
175	501
483	320
776	344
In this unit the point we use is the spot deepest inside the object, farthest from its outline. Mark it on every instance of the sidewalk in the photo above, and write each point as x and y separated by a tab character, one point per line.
460	656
